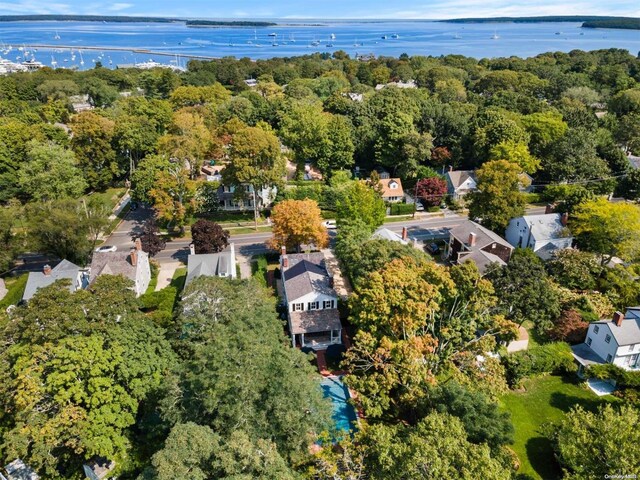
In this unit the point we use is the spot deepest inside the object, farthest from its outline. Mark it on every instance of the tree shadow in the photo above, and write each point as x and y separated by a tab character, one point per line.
565	402
543	461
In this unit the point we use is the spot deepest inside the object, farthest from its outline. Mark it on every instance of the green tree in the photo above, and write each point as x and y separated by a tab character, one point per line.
255	160
608	229
173	196
498	198
101	94
144	177
14	144
525	291
50	173
517	153
91	142
358	201
586	449
575	269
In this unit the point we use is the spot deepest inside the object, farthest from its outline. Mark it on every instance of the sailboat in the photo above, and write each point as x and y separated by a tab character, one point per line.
330	43
56	36
457	37
395	36
81	59
356	43
54	64
495	35
332	36
275	40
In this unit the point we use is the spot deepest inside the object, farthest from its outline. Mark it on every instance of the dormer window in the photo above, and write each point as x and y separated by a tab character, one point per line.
393	185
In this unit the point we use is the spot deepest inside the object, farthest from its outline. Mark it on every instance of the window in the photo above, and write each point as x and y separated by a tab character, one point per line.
607	338
609	358
596	329
298	307
313	306
589	341
327	304
632	348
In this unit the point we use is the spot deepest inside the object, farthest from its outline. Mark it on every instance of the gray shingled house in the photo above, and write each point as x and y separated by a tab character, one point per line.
222	264
77	277
470	241
134	265
312	302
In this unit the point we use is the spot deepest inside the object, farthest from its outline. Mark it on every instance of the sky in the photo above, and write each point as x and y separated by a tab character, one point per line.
328	9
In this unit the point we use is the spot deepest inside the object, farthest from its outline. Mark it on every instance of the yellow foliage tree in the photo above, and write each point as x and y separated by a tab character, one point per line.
297	222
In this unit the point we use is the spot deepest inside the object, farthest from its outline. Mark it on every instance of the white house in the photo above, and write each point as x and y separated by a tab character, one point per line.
134	265
231	199
312	302
460	182
544	234
392	190
222	264
614	341
78	278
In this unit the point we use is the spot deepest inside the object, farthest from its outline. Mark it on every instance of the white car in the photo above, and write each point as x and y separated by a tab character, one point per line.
330	224
106	248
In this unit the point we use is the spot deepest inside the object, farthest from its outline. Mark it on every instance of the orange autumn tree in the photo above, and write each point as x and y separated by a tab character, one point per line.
297	222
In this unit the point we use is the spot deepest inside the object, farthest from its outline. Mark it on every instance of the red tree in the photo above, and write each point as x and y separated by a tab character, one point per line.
431	191
570	327
440	156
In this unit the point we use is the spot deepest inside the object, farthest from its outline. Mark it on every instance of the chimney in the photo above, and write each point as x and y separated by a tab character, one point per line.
548	209
133	257
47	270
331	282
564	218
405	233
192	249
617	318
283	257
451	168
472	239
138	244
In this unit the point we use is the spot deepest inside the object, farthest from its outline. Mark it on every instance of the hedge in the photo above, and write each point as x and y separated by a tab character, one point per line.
15	291
401	208
259	269
548	358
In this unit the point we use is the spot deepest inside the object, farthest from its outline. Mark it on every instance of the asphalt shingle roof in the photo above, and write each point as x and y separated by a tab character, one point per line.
628	333
37	280
209	265
306	273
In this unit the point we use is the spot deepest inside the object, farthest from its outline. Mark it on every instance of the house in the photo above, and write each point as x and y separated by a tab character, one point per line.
134	265
212	173
80	103
615	341
470	241
399	84
544	234
251	82
634	161
230	200
18	470
77	276
222	264
460	182
386	234
312	302
391	188
98	468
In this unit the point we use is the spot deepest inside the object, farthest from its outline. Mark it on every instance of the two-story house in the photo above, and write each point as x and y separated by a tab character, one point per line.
242	197
133	265
392	191
615	341
470	241
78	278
221	264
544	234
460	183
312	302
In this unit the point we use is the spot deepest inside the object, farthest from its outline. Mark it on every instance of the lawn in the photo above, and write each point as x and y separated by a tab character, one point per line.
545	400
15	290
109	197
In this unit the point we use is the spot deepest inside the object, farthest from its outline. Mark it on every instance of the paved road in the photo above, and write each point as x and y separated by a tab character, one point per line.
254	243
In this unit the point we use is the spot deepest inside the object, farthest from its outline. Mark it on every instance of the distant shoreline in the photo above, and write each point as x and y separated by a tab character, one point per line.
545	19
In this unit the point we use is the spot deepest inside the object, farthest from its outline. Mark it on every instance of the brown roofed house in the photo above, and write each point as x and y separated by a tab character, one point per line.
470	241
133	264
392	191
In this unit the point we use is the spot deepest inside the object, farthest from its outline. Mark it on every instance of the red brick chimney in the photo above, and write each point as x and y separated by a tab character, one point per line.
564	218
405	233
133	257
548	209
283	256
617	318
47	270
472	239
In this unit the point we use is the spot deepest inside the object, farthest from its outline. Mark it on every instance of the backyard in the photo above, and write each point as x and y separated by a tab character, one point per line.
544	400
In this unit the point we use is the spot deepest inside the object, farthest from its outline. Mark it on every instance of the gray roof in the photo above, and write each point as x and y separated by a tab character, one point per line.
584	354
209	265
634	160
545	227
18	470
315	321
306	273
114	263
37	280
484	236
628	333
481	258
458	177
386	234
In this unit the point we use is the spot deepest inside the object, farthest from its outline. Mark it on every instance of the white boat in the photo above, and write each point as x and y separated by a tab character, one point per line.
395	36
273	34
495	36
81	59
332	36
54	64
384	37
56	36
457	37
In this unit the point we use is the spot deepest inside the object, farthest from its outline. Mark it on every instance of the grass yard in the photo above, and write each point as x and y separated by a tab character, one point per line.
109	197
15	290
545	400
179	277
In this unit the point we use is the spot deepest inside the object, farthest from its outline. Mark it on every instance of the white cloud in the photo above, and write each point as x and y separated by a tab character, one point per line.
34	7
117	7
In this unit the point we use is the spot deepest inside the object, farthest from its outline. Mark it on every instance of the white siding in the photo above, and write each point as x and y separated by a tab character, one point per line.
311	297
518	234
143	273
598	343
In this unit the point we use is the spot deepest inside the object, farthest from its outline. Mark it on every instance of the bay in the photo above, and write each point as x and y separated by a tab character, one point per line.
69	42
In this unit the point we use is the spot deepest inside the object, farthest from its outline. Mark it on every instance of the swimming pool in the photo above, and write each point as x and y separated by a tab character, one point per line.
344	414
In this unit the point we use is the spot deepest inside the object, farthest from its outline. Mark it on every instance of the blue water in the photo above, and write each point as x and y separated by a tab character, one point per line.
415	38
344	414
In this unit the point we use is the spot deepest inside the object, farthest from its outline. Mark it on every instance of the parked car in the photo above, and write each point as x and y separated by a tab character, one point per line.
419	207
106	248
433	248
330	224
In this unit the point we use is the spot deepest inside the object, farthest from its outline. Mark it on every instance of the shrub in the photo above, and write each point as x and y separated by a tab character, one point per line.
159	305
548	358
259	269
570	327
531	197
401	208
